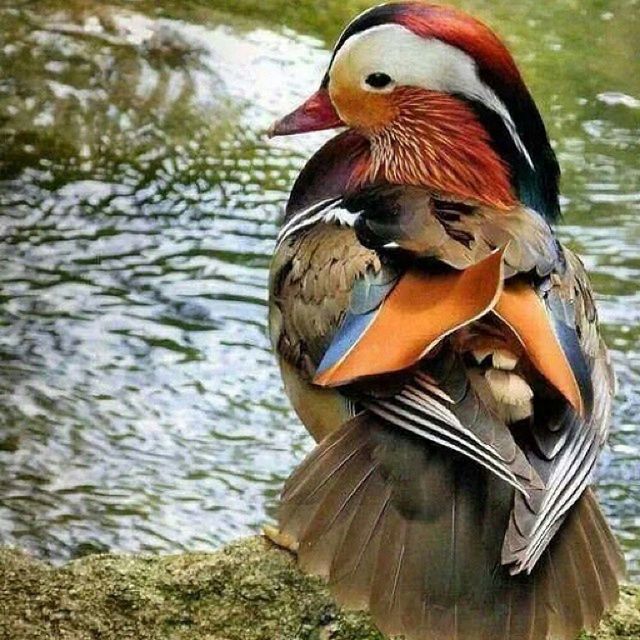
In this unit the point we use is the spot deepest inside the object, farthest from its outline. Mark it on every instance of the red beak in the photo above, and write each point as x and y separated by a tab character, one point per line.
316	114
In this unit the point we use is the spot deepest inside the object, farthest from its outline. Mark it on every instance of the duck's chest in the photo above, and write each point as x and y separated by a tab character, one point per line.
310	286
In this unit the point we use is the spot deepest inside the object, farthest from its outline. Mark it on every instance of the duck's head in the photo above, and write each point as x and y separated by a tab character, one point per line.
439	102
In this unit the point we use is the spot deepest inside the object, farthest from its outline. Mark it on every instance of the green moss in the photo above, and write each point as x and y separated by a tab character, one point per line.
624	622
247	591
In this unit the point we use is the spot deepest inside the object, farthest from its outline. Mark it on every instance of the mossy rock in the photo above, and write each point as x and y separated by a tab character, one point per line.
247	591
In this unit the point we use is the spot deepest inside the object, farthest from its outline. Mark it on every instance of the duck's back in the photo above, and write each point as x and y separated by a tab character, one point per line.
411	529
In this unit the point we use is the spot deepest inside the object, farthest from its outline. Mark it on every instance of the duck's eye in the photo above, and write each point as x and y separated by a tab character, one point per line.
378	80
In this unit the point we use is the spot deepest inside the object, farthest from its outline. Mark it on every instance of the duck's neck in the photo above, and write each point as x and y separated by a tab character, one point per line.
436	142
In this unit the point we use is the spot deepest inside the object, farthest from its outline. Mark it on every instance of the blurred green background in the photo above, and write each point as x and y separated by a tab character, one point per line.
139	201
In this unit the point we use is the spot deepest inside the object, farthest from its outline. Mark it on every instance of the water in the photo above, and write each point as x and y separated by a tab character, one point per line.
139	203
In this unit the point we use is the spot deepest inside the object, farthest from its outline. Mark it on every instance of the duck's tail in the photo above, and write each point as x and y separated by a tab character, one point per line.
414	534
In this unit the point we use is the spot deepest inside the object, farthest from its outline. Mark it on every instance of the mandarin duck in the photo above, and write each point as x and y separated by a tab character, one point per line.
440	344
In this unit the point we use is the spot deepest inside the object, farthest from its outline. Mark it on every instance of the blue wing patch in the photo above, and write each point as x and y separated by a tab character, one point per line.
366	297
562	315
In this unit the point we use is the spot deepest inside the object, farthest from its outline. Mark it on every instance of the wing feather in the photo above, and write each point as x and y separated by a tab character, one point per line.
424	408
565	448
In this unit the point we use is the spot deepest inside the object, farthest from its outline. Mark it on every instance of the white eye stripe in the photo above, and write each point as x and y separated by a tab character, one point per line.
503	112
412	60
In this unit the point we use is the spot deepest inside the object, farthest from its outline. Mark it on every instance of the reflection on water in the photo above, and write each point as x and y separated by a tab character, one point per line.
139	203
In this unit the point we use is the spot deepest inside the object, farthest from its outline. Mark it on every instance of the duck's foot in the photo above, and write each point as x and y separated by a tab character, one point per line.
283	540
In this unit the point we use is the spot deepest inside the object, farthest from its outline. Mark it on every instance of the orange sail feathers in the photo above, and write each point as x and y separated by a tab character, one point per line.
422	309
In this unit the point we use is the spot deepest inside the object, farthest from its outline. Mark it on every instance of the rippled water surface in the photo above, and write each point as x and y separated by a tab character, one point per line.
139	199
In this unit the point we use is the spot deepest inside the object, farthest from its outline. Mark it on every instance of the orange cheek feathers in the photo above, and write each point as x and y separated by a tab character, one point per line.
425	138
361	109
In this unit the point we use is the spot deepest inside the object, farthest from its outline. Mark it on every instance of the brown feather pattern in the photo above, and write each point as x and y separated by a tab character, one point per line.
418	534
423	556
456	233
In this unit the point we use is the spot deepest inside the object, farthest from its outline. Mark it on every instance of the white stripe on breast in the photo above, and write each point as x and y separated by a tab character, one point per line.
327	211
